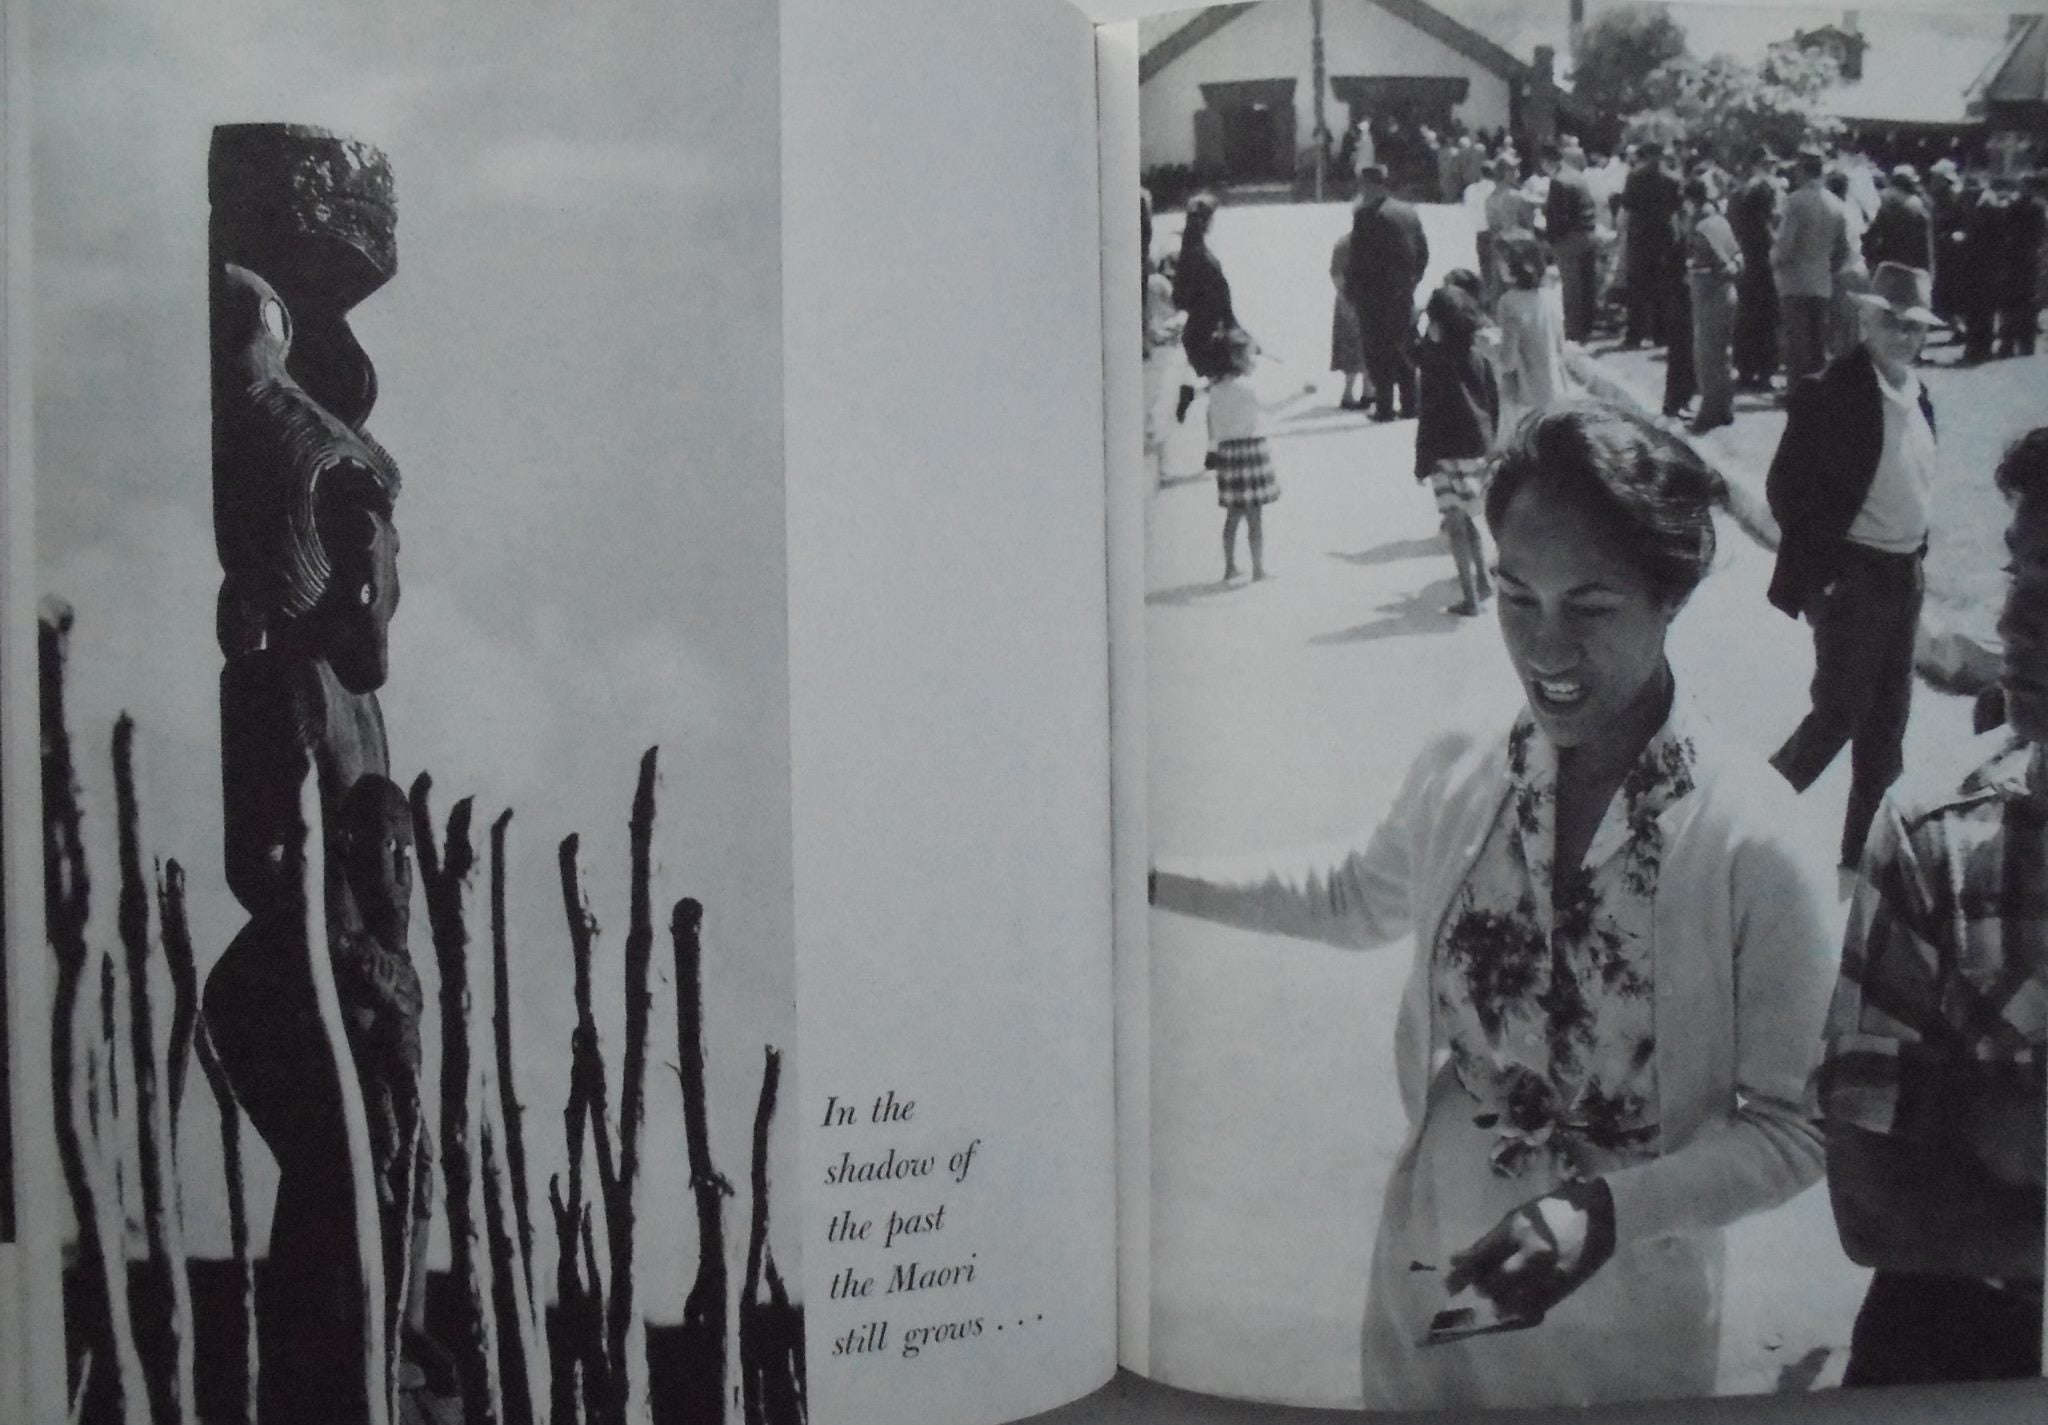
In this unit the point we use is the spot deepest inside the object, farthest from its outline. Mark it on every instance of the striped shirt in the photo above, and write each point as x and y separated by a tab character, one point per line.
1944	978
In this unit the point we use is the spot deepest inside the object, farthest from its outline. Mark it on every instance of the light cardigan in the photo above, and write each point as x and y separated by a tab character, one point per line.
1743	957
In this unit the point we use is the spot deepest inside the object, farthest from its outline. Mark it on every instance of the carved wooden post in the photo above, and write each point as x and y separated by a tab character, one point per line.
302	228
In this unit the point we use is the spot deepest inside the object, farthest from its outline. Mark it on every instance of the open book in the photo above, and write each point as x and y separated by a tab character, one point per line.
732	989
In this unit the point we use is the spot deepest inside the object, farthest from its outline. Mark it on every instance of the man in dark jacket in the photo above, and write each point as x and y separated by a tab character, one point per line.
2019	269
1901	230
1753	215
1570	218
1388	256
1849	487
1652	198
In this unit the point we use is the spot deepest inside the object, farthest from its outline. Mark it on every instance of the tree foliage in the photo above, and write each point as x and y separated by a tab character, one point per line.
1617	52
1727	107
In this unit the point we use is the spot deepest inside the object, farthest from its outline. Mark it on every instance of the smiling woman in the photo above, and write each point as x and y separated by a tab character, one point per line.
1620	968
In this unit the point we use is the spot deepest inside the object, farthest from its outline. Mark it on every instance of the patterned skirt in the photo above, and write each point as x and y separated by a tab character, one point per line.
1244	474
1459	485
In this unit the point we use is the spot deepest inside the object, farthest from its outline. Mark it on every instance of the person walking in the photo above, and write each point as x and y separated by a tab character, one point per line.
1388	257
1347	346
1852	275
1850	487
1620	963
1652	198
1930	1090
1976	289
1571	217
1713	265
1811	246
1202	291
2019	269
1902	230
1531	318
1241	453
1457	412
1753	215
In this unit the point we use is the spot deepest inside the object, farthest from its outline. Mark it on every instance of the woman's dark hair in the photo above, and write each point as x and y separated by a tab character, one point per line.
1201	212
1526	261
2023	469
1456	314
1697	192
1643	488
1466	281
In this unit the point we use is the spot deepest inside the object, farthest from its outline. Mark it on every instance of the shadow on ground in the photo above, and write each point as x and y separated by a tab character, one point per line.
1422	611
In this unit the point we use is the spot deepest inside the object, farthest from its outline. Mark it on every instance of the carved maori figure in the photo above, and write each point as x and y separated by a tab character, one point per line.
302	229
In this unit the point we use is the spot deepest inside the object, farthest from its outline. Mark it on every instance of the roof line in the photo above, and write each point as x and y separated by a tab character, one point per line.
1178	43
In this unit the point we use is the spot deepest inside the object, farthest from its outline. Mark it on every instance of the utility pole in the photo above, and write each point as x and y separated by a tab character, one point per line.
1322	128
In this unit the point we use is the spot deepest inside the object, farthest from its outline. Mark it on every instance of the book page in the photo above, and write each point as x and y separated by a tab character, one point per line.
949	706
1328	1134
435	446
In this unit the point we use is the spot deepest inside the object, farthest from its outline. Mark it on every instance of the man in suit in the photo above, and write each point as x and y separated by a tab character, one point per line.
1388	256
1850	487
1753	214
1811	247
1570	217
1652	198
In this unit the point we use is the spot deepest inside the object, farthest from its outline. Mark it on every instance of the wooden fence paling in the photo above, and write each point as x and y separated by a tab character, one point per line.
511	1111
626	1328
446	872
772	1362
524	1397
67	896
307	848
705	1315
514	1273
238	1214
586	1110
169	1292
177	933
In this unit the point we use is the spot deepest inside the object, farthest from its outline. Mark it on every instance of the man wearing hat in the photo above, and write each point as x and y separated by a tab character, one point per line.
1388	256
1850	487
1901	230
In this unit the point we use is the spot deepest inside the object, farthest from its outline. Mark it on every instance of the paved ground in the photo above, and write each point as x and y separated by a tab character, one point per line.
1283	714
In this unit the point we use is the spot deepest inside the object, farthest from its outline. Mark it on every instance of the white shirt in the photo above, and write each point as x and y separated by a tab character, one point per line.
1894	513
1234	410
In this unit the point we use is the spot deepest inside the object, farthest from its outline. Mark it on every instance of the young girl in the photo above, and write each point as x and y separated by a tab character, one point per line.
1457	411
1531	320
1240	453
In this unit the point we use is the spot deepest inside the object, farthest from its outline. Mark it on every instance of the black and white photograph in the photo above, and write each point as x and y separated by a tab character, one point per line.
409	530
1596	633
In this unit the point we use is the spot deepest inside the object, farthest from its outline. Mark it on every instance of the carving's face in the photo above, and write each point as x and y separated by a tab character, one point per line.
362	595
379	850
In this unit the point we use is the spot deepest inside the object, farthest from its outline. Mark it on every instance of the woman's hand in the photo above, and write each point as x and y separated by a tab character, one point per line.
1541	1252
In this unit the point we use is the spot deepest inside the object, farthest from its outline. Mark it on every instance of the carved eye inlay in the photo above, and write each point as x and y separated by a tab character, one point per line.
277	322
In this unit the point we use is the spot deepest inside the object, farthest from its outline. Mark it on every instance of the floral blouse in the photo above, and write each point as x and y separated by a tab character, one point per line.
1540	978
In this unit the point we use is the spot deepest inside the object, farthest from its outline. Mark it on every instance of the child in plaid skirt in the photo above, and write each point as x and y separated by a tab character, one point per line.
1457	411
1240	453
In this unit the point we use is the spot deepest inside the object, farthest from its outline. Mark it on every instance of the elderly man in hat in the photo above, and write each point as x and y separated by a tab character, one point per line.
1850	487
1932	1088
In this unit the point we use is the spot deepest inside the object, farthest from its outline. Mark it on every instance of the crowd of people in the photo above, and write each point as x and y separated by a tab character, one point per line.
1628	1023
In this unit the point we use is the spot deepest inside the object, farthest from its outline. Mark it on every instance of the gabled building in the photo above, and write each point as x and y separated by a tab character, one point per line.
2010	98
1233	89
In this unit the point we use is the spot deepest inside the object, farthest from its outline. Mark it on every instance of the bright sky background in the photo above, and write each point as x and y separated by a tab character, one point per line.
580	367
